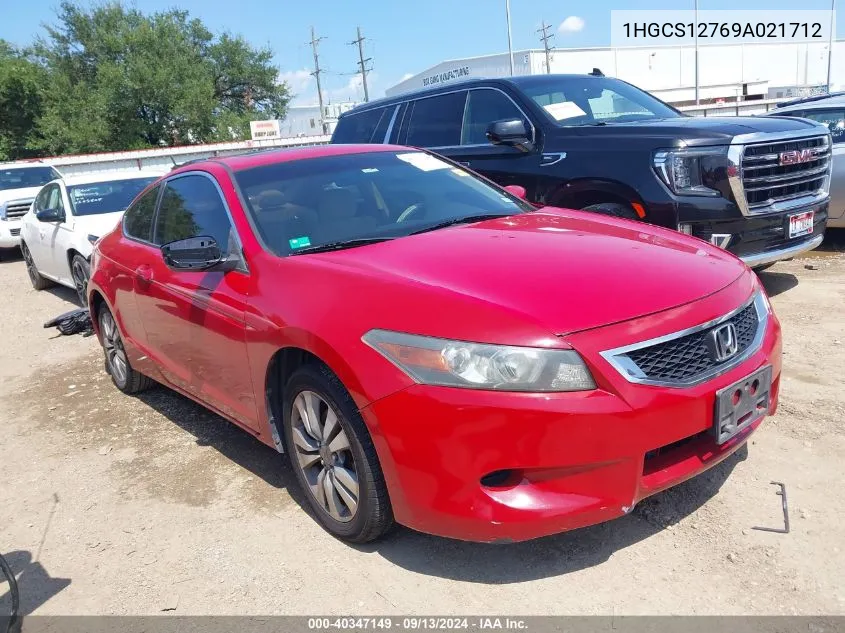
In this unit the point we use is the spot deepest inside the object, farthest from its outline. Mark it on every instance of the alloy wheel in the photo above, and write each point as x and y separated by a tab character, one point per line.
325	456
80	281
30	266
113	346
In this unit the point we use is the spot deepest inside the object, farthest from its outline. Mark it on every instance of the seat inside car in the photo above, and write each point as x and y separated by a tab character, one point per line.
281	221
337	209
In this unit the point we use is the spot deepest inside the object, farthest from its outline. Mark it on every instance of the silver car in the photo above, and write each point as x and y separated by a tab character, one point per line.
830	110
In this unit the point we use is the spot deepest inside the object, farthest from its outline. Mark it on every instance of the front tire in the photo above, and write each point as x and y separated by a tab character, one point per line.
333	456
38	282
80	272
118	367
613	209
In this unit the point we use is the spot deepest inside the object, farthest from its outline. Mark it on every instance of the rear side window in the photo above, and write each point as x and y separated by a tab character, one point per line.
138	219
436	121
833	119
484	107
191	206
359	127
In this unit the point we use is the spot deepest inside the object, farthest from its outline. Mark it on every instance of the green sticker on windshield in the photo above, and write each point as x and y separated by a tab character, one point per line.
299	242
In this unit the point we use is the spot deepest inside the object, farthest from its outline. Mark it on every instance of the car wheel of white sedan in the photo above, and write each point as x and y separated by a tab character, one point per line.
80	271
38	282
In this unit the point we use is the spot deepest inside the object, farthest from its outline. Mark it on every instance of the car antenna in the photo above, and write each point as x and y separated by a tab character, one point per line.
597	73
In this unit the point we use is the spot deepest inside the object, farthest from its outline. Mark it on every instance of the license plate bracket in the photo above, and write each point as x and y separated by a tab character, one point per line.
741	404
800	223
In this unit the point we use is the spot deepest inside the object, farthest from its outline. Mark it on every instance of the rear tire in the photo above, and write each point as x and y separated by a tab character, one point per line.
80	272
613	209
38	282
333	456
759	269
118	367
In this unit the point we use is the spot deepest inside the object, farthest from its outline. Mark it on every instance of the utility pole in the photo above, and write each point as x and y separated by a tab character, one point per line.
314	41
362	64
510	42
545	39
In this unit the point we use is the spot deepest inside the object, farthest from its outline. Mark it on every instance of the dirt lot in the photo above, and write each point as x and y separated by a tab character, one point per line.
119	505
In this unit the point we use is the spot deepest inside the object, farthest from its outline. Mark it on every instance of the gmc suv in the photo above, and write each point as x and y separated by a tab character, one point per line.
756	186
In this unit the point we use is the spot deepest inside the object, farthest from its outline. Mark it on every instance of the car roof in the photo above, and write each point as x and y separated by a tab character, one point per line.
812	103
108	176
518	81
239	162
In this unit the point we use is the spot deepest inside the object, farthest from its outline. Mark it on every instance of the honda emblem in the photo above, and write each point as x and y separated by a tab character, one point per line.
723	342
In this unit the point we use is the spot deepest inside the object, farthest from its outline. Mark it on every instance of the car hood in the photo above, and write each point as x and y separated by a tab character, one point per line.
27	193
699	130
565	270
97	225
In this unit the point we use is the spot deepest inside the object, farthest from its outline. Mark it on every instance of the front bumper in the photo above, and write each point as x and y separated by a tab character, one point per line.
555	462
761	239
10	233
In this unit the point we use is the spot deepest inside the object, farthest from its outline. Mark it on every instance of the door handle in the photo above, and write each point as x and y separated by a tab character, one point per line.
144	273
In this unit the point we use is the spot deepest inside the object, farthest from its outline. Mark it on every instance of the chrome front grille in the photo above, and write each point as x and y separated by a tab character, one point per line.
687	357
768	176
17	208
14	232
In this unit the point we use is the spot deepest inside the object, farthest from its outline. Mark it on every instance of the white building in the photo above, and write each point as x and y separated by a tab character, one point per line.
304	120
726	72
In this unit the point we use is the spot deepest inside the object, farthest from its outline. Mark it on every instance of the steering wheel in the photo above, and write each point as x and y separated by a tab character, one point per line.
414	209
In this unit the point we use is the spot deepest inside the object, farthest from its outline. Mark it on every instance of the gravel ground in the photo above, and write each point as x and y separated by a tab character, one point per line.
121	505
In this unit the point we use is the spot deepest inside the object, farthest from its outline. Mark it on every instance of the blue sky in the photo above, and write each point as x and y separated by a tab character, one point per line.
403	36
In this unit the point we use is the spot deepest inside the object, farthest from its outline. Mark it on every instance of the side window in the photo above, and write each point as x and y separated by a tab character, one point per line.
359	127
191	206
436	121
138	219
484	107
384	122
42	199
833	119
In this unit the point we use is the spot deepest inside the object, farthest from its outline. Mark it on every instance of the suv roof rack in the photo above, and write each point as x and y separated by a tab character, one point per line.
792	102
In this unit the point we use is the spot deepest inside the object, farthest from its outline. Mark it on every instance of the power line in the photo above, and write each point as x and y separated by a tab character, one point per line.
362	63
314	41
545	39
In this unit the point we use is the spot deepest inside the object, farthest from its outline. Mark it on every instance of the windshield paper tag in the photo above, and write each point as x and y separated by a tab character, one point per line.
425	162
299	242
565	110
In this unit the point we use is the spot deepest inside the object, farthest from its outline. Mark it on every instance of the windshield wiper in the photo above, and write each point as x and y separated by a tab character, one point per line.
464	220
341	244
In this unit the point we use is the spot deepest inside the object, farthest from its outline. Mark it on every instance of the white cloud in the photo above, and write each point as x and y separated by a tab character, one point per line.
299	82
572	24
353	90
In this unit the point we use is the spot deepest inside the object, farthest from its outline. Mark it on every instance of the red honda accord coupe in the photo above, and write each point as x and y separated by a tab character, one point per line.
430	349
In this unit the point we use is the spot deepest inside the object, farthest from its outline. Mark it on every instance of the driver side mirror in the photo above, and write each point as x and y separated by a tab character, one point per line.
517	190
510	132
50	215
198	253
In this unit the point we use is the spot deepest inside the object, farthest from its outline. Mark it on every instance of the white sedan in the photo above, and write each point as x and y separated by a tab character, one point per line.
67	217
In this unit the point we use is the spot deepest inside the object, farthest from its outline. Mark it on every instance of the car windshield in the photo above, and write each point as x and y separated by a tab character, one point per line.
351	199
595	101
24	177
105	197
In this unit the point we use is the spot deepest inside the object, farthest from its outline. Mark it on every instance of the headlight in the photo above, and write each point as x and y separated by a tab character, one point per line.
437	361
3	206
691	171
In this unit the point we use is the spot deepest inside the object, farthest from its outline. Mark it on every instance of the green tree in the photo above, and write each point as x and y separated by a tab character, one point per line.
120	79
21	83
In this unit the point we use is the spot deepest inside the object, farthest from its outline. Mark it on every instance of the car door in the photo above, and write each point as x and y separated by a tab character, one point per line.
40	246
60	239
194	320
454	124
834	118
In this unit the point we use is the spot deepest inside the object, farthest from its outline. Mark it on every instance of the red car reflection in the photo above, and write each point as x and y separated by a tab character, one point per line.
428	348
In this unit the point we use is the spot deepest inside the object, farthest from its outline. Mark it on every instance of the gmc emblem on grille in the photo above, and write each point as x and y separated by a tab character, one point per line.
796	157
723	342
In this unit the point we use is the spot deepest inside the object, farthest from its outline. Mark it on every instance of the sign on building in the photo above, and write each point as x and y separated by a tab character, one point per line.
264	130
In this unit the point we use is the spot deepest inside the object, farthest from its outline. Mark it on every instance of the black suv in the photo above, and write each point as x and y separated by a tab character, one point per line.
757	186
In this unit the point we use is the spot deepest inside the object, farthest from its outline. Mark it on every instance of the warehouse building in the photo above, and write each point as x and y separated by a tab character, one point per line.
727	73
